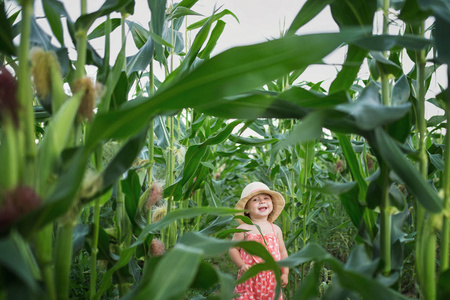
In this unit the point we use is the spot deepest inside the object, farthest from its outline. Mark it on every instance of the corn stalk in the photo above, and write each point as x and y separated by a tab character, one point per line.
445	235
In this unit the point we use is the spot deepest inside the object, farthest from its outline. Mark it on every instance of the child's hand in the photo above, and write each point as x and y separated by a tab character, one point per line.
284	280
245	268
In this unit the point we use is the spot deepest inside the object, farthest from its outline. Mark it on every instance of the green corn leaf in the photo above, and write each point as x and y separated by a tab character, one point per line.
218	224
160	40
441	36
16	260
125	256
193	53
411	12
251	106
140	34
111	81
158	11
187	3
230	73
401	91
131	188
309	11
175	273
99	31
61	197
396	160
213	200
437	161
438	7
85	21
389	42
215	35
181	11
227	283
309	288
39	37
6	36
182	214
351	279
194	156
80	231
353	12
333	188
55	140
120	94
352	162
53	11
162	132
443	290
369	113
213	18
354	209
396	198
309	129
251	141
121	162
141	60
206	277
352	65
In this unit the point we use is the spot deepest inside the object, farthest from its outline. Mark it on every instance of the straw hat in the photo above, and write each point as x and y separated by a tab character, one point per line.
256	188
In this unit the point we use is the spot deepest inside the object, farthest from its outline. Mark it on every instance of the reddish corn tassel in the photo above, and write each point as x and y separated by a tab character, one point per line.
155	195
157	248
9	105
17	203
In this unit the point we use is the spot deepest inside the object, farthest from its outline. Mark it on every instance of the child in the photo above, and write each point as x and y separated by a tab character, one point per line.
263	206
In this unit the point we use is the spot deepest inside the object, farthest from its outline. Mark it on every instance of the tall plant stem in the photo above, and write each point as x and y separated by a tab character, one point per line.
386	222
63	259
98	166
44	238
306	173
445	235
81	36
107	48
170	158
94	250
172	229
44	251
385	216
151	140
26	113
95	234
426	238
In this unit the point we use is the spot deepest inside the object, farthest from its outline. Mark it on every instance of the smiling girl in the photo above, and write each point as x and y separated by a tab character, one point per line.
262	206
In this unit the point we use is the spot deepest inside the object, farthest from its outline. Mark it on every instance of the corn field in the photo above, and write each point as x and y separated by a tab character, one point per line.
122	184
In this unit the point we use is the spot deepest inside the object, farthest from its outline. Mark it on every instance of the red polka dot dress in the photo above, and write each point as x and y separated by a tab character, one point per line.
262	286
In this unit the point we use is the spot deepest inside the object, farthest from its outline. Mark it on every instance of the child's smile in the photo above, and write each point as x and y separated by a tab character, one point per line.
260	206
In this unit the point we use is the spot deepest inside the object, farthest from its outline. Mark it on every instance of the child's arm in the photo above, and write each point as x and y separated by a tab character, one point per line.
283	254
236	255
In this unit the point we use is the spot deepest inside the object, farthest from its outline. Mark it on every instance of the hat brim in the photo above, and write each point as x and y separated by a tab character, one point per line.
277	201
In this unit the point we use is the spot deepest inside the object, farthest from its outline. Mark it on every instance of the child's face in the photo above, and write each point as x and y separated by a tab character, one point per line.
260	206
